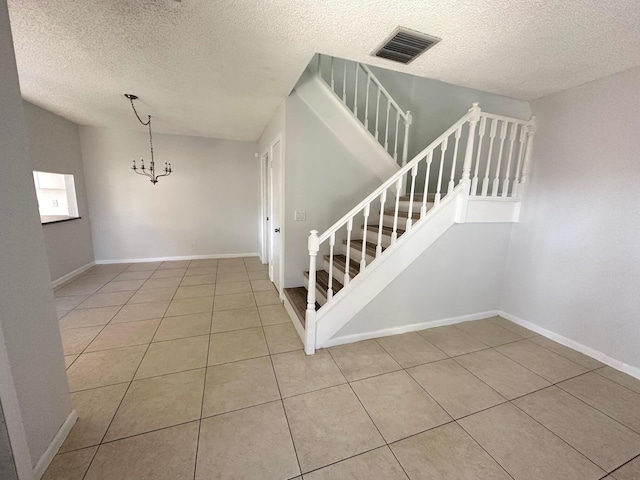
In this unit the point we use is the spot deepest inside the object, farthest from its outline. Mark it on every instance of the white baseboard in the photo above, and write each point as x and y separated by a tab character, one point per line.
71	275
408	328
170	259
54	446
567	342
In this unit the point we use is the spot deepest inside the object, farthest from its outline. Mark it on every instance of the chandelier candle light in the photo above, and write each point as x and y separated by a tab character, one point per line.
151	171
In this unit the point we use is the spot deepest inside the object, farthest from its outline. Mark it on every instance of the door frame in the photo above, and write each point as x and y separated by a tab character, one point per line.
280	195
264	207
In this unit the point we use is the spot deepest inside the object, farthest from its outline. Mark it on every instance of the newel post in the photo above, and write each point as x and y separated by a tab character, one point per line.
468	154
310	314
526	165
465	181
405	146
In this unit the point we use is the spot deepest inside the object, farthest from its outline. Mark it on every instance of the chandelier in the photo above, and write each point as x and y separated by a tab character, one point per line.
151	171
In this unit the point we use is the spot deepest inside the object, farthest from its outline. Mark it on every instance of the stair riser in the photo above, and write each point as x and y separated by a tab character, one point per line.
321	295
356	254
402	222
372	238
338	271
403	205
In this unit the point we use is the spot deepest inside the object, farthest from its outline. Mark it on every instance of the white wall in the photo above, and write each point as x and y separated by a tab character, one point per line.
210	205
54	146
435	105
574	260
460	274
33	384
322	177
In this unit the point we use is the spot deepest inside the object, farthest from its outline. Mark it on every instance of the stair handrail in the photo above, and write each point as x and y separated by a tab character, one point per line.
394	178
374	79
511	129
390	145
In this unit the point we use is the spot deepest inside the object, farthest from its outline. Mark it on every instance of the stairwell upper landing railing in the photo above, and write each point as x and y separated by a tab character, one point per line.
362	93
438	162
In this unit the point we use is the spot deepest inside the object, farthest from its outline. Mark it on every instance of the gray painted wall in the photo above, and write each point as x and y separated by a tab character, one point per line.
209	205
54	146
460	274
322	177
28	317
436	105
574	261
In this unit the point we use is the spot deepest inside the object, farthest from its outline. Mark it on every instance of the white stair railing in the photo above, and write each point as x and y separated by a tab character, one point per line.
361	92
436	165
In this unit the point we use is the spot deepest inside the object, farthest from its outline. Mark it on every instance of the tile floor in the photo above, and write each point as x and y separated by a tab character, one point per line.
193	370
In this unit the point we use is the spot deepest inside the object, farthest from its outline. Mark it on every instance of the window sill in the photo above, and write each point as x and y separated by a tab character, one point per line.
47	219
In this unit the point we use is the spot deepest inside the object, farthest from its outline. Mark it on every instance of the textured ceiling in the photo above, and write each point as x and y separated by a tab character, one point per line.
221	68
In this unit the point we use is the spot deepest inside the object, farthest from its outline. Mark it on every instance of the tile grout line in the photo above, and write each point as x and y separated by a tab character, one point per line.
560	438
284	410
204	386
122	399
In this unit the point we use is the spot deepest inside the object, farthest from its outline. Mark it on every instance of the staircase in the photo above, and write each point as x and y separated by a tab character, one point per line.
476	171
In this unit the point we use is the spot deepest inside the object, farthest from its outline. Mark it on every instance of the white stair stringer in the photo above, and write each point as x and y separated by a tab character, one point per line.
344	125
382	271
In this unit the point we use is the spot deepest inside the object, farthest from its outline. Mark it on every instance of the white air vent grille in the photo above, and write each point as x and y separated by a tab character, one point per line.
405	45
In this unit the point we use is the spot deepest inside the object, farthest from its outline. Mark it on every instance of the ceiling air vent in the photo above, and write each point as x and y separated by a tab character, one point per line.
405	45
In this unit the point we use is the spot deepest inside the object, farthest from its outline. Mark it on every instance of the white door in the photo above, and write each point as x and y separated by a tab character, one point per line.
275	192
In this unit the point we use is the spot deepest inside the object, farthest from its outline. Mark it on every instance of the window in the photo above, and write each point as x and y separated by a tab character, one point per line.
56	196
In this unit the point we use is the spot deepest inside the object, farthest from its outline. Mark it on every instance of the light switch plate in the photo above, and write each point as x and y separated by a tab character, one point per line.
299	215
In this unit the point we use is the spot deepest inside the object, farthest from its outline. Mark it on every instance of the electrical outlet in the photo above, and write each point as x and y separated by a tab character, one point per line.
55	203
299	215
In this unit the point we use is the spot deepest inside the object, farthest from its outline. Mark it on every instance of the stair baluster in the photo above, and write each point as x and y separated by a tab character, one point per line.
526	165
512	140
394	233
474	116
386	125
348	253
453	163
363	258
395	144
474	182
492	136
496	180
383	198
423	209
521	149
443	151
344	83
378	115
355	95
332	243
366	102
414	172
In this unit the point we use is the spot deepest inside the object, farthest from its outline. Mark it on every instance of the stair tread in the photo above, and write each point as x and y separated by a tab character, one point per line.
358	243
402	214
322	281
385	230
298	298
340	260
418	197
